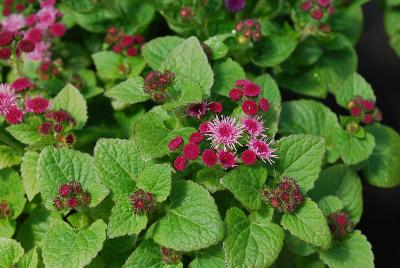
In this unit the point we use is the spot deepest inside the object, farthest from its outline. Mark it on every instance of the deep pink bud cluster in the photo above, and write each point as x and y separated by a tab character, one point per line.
49	69
58	123
339	225
156	84
143	202
169	256
219	138
250	29
286	196
318	9
71	196
186	13
364	111
122	43
5	210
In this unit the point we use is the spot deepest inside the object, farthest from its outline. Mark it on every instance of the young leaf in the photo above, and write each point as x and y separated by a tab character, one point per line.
10	252
246	183
330	204
130	91
354	86
300	156
157	180
189	61
184	91
9	157
341	181
309	224
212	257
66	247
107	65
118	164
353	149
225	74
71	100
123	221
12	191
58	166
249	244
147	254
192	221
28	174
353	251
382	168
155	51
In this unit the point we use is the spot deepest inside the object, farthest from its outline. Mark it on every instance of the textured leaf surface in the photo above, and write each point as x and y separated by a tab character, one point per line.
28	174
107	65
29	260
130	91
72	101
249	244
382	168
210	258
9	157
226	73
309	224
26	132
58	166
192	221
300	156
10	252
183	92
12	191
157	180
341	181
245	183
147	254
330	204
7	228
354	86
66	247
188	60
353	149
155	51
354	251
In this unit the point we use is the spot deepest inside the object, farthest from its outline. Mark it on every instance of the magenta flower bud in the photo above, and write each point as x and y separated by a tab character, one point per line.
234	5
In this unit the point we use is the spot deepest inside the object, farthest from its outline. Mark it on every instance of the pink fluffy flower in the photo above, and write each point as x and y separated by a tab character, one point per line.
7	99
253	125
14	22
57	29
262	149
224	132
47	3
21	84
14	115
41	52
227	159
46	17
37	105
34	35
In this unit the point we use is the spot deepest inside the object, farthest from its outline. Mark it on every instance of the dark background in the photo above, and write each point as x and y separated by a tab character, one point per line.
381	68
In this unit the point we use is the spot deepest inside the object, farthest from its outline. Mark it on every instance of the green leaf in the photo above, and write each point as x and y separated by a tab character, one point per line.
123	221
354	149
26	132
217	46
354	86
212	257
210	178
12	191
184	91
152	136
341	181
28	174
9	157
192	221
275	49
246	183
29	260
130	91
66	247
32	231
225	74
298	246
354	251
311	117
249	244
118	164
300	156
107	65
309	224
10	252
349	21
72	101
382	168
330	204
157	180
189	61
158	49
147	254
7	228
58	166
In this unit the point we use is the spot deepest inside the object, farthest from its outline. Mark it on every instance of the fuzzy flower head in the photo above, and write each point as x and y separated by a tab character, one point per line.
253	125
224	132
7	99
262	149
227	159
234	5
197	110
37	105
46	17
14	23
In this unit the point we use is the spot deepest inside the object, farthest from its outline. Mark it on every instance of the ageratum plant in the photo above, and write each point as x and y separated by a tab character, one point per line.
154	134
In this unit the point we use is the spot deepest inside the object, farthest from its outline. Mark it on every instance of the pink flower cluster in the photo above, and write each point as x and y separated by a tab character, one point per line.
318	8
124	43
249	29
36	29
364	110
339	225
223	136
71	196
